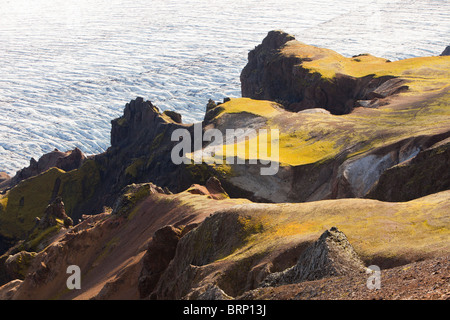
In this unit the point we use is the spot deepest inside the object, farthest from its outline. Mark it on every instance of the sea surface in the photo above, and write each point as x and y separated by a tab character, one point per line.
68	67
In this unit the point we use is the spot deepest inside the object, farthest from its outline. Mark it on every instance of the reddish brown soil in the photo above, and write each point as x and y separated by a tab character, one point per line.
425	280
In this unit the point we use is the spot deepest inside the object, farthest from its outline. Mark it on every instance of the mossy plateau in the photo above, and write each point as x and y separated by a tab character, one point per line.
308	138
422	72
261	108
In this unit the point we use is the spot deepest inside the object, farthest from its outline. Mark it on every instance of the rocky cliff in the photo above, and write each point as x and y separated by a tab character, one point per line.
279	70
322	155
423	174
140	151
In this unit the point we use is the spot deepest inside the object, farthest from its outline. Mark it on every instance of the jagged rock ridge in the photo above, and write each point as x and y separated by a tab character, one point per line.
66	161
331	255
446	51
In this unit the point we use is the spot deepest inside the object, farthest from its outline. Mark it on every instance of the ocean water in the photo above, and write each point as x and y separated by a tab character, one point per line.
68	67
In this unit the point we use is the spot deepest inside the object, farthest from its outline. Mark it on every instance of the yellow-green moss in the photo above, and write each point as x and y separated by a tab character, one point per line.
310	138
198	172
26	201
133	169
130	198
40	235
79	185
157	141
122	121
261	108
224	170
3	203
23	262
250	226
423	72
409	229
29	199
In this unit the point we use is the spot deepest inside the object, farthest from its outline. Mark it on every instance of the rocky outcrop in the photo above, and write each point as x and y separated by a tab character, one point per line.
331	255
8	291
423	174
259	78
72	161
273	75
14	265
141	151
174	116
111	246
160	252
131	195
446	51
217	237
208	292
356	177
213	189
66	161
4	177
54	211
422	280
346	175
17	265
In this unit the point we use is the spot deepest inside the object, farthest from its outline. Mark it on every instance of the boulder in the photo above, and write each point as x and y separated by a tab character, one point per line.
215	188
212	189
141	151
66	161
388	88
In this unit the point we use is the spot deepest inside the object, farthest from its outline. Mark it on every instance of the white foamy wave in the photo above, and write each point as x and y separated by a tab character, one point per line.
68	67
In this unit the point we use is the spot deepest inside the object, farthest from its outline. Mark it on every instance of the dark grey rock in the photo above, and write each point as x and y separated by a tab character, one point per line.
446	51
331	255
